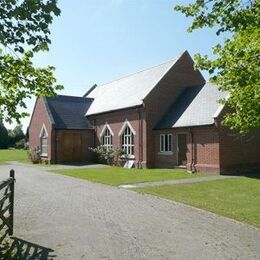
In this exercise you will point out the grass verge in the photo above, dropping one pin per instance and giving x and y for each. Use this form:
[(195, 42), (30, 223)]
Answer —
[(117, 176), (13, 155), (237, 198)]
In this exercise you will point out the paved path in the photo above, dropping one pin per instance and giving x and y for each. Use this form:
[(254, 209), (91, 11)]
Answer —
[(172, 182), (50, 167), (81, 220)]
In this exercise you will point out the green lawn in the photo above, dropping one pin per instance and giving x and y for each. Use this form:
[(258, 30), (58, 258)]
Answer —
[(237, 198), (118, 176), (13, 155)]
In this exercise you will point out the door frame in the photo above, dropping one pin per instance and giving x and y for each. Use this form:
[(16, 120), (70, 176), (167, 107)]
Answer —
[(177, 148)]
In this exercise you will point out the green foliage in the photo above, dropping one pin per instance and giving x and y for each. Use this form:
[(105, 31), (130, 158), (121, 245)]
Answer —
[(108, 156), (24, 30), (3, 136), (236, 67), (20, 144), (34, 155), (15, 135)]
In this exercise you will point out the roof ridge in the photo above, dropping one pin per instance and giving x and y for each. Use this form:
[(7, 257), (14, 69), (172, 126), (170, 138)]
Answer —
[(68, 96), (137, 72)]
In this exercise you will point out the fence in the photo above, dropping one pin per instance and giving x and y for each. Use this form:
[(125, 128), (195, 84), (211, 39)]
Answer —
[(7, 203)]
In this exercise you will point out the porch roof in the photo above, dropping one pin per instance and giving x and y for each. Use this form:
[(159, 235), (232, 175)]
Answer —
[(68, 112), (196, 106)]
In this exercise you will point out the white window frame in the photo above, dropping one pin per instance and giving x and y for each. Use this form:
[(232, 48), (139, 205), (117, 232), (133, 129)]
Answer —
[(44, 130), (126, 123), (127, 134), (166, 143), (107, 138), (104, 129)]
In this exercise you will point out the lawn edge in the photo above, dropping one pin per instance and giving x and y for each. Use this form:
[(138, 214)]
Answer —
[(193, 207)]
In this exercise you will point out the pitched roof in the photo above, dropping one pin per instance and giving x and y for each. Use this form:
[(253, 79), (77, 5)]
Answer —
[(68, 112), (196, 106), (128, 91)]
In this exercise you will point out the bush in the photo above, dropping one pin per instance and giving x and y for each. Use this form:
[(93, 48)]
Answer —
[(34, 155), (109, 156), (20, 144), (15, 135)]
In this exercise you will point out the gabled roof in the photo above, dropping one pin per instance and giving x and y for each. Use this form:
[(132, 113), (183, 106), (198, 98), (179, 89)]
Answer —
[(128, 91), (196, 106), (68, 112)]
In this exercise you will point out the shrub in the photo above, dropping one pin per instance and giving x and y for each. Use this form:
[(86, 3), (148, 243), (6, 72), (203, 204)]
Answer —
[(34, 155), (15, 135), (20, 144), (109, 156)]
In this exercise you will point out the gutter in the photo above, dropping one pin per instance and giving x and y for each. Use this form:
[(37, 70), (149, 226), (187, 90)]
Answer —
[(192, 165), (113, 110), (140, 138)]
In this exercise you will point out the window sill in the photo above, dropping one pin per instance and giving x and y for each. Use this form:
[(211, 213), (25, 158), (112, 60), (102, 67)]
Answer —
[(165, 153), (131, 157), (44, 155)]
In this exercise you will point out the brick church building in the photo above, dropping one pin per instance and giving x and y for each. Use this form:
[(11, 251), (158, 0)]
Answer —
[(166, 116)]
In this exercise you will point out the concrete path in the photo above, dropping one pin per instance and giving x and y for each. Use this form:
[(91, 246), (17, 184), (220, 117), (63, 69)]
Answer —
[(172, 182), (68, 218)]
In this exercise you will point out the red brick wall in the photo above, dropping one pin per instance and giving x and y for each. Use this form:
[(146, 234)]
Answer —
[(156, 104), (205, 149), (87, 141), (40, 117), (116, 120), (239, 153), (165, 93), (165, 160)]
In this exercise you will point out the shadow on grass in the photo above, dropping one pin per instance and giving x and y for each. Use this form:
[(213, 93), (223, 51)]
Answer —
[(255, 175), (252, 175), (85, 163), (18, 249)]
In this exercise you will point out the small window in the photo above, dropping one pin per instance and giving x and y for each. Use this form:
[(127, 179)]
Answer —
[(44, 142), (107, 139), (127, 141), (166, 143)]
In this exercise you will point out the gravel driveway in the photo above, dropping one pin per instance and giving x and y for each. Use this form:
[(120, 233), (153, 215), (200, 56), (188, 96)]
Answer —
[(81, 220)]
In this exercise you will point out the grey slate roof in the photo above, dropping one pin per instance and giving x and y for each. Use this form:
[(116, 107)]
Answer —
[(68, 112), (128, 91), (196, 106)]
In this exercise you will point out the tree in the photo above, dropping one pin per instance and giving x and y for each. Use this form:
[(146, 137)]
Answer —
[(3, 136), (15, 135), (236, 66), (18, 132), (24, 31)]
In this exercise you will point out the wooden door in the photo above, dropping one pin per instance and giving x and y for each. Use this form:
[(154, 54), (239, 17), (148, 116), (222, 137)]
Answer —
[(77, 151), (182, 149), (71, 147)]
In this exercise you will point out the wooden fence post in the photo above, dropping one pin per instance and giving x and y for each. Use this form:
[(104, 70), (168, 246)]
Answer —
[(12, 175)]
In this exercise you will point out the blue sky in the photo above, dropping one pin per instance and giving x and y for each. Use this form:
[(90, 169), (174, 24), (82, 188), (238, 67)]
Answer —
[(96, 41)]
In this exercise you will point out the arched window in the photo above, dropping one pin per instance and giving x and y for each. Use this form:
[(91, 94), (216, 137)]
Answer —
[(127, 140), (44, 141), (106, 139)]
